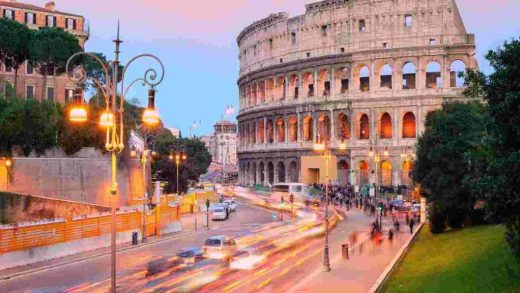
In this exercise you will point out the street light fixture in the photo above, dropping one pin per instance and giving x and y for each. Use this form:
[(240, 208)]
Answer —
[(8, 164), (324, 147), (114, 142), (179, 153)]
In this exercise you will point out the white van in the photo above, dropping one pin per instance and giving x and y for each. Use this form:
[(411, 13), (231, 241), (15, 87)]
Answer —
[(300, 191)]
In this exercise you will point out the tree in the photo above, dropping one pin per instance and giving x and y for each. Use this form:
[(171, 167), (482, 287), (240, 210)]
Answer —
[(15, 45), (500, 162), (198, 160), (51, 49), (442, 158)]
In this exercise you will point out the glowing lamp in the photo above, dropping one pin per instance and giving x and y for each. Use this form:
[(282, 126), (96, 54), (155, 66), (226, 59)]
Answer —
[(342, 145), (8, 163), (154, 153), (133, 153), (371, 152), (184, 157), (386, 151), (319, 147), (150, 115), (106, 119), (171, 157), (177, 157), (78, 113)]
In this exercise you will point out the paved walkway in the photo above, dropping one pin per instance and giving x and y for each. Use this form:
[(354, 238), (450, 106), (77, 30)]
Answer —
[(367, 261)]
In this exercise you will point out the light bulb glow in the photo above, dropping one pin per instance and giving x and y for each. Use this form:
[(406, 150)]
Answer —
[(151, 117), (106, 119), (78, 114)]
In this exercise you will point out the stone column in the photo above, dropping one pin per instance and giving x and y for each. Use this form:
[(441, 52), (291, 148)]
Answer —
[(275, 89), (299, 85), (286, 123), (332, 81), (298, 128), (332, 126), (265, 130), (314, 127), (275, 171)]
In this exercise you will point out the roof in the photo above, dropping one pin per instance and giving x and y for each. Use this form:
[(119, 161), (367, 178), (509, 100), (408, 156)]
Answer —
[(34, 7)]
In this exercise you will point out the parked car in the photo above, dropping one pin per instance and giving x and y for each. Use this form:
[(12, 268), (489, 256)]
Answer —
[(218, 213), (219, 247), (232, 204), (190, 255), (225, 206)]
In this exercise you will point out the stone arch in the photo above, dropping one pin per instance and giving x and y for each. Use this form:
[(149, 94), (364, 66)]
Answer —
[(307, 128), (293, 86), (280, 130), (343, 171), (456, 68), (260, 129), (254, 92), (364, 79), (308, 83), (248, 173), (254, 174), (270, 131), (270, 172), (364, 127), (270, 90), (324, 82), (261, 91), (342, 77), (280, 168), (406, 174), (386, 128), (293, 129), (261, 169), (386, 173), (343, 127), (409, 76), (386, 77), (280, 88), (433, 75), (324, 128), (364, 172), (293, 171), (409, 125), (252, 131)]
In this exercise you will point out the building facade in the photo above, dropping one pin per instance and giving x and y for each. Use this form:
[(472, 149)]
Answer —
[(359, 73), (222, 145), (58, 87)]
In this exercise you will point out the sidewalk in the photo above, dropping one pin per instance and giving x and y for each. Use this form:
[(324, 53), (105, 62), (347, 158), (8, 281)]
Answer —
[(366, 264), (188, 228)]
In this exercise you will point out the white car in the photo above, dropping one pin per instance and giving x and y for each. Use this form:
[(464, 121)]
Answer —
[(219, 247), (218, 213), (232, 204)]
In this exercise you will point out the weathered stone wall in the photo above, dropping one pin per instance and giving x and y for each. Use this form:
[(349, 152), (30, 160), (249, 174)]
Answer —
[(16, 208), (84, 177)]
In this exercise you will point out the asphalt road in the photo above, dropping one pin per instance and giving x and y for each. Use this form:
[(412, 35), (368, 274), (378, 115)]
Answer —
[(131, 263)]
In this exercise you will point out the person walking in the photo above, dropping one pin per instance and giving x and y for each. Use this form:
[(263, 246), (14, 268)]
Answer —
[(412, 223)]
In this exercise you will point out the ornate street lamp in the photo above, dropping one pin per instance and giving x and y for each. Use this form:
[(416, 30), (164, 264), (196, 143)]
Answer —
[(112, 118), (324, 146), (179, 154)]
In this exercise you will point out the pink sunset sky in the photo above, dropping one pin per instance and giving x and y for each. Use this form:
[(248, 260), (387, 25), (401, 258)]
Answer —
[(197, 41)]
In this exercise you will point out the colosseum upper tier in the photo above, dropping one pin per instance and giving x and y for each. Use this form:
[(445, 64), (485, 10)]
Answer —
[(357, 73)]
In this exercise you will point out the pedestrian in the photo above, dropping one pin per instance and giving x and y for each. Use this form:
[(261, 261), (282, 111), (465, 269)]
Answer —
[(390, 235), (407, 219), (396, 225), (412, 223)]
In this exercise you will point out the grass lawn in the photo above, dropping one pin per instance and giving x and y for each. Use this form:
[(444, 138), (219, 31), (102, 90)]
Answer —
[(475, 259)]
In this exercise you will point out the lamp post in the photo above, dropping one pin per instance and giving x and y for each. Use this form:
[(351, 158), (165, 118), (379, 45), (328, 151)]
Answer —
[(112, 118), (178, 154), (325, 148)]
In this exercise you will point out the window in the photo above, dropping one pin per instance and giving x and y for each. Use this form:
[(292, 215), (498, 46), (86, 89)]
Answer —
[(362, 25), (293, 38), (323, 30), (50, 21), (69, 95), (344, 85), (29, 69), (8, 68), (433, 42), (29, 91), (71, 23), (308, 55), (50, 93), (30, 18), (385, 45), (408, 20), (270, 44), (8, 90), (8, 13), (342, 50), (281, 60)]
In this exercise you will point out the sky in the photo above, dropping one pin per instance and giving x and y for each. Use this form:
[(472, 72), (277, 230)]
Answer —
[(196, 40)]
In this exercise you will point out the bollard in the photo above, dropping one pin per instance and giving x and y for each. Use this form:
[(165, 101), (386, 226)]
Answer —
[(344, 251)]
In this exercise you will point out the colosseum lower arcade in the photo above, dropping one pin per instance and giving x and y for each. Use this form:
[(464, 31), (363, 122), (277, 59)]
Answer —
[(355, 72)]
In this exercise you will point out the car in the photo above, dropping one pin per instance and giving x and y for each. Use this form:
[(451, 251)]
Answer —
[(160, 264), (190, 255), (218, 213), (232, 204), (219, 247), (225, 206)]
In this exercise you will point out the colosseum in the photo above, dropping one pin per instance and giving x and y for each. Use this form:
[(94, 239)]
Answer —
[(360, 75)]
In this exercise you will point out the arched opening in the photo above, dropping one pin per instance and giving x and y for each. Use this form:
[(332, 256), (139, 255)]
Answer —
[(386, 126), (262, 172), (364, 127), (262, 92), (363, 173), (364, 79), (386, 173), (457, 70), (270, 90), (409, 73), (270, 131), (281, 171), (293, 86), (280, 130), (386, 77), (343, 127), (307, 129), (308, 83), (406, 176), (280, 88), (343, 170), (248, 174), (433, 75), (254, 94), (324, 128), (270, 172), (324, 82), (260, 131), (409, 126), (254, 174), (293, 129), (342, 79), (293, 171), (252, 131)]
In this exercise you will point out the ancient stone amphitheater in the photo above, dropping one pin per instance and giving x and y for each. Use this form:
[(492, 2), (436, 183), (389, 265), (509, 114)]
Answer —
[(360, 73)]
